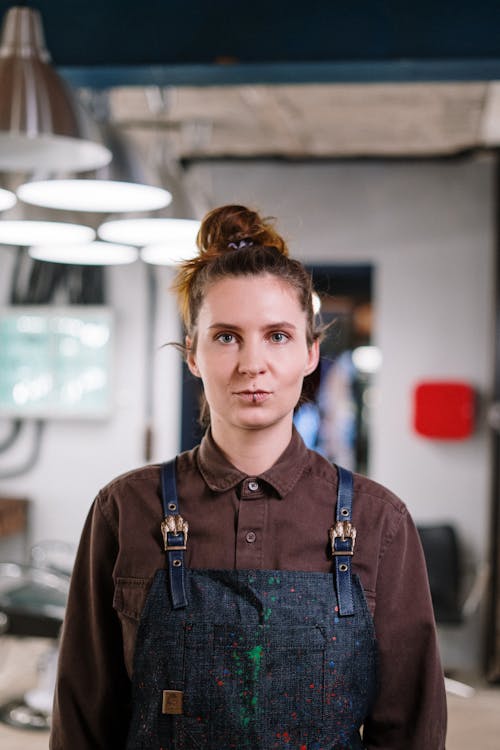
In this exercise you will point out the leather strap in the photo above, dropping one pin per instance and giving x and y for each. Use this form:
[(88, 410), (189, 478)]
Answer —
[(175, 543), (343, 562)]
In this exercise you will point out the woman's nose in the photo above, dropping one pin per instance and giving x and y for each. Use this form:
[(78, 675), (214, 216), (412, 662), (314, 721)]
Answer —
[(251, 360)]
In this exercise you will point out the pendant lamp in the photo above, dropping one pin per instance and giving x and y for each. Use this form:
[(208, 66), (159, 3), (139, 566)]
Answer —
[(125, 185), (91, 254), (7, 199), (42, 125), (26, 233)]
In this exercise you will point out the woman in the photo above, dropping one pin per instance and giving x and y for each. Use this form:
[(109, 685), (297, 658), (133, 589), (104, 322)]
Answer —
[(275, 602)]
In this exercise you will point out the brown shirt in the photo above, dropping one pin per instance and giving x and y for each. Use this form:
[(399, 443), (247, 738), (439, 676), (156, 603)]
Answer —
[(278, 520)]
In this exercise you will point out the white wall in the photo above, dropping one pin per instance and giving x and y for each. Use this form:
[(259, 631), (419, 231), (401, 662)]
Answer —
[(428, 229)]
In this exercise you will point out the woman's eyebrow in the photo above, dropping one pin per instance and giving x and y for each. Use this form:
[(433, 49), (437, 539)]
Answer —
[(267, 326), (232, 326)]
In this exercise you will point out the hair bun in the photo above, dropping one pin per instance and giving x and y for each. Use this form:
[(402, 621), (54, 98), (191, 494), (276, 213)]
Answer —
[(232, 227)]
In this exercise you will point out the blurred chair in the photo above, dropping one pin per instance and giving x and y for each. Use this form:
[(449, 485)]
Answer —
[(444, 568), (444, 559), (32, 604)]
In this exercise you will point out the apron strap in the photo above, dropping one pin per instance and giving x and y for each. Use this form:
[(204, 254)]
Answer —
[(174, 531), (343, 536)]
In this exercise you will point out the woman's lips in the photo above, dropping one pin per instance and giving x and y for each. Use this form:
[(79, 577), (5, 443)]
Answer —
[(253, 397)]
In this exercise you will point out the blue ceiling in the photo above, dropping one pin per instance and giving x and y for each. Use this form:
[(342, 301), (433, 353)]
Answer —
[(195, 42)]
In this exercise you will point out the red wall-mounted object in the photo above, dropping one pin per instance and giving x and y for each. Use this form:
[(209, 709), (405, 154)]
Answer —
[(444, 409)]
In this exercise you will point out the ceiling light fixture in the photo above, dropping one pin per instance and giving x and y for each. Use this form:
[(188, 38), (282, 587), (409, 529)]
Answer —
[(170, 233), (126, 185), (91, 254), (7, 199), (42, 125), (168, 255), (43, 232), (100, 196)]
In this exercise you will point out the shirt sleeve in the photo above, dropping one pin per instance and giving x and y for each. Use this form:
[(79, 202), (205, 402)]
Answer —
[(410, 710), (93, 689)]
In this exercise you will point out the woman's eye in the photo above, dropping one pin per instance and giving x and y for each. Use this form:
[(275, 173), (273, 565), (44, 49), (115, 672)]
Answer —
[(225, 338), (279, 337)]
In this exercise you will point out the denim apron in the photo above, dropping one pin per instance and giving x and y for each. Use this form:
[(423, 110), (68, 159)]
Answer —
[(253, 659)]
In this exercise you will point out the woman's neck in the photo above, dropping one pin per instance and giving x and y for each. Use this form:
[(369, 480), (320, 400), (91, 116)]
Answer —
[(253, 451)]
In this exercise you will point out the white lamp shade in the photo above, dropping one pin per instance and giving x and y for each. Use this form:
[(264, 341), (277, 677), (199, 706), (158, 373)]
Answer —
[(168, 254), (142, 232), (7, 199), (91, 254), (43, 232), (49, 153), (94, 195)]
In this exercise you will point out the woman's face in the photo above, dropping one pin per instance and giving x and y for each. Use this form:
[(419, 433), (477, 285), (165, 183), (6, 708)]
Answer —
[(251, 352)]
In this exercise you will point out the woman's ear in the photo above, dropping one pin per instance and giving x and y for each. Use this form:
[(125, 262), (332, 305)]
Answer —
[(190, 357), (312, 358)]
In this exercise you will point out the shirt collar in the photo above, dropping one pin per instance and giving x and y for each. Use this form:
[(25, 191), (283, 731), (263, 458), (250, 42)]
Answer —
[(220, 475)]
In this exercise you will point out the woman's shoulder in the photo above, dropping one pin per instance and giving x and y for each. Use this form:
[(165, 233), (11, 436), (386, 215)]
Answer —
[(367, 491), (145, 474), (140, 484), (131, 479)]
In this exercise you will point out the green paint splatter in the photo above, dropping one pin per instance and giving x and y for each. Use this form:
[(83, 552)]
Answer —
[(250, 683), (267, 613), (255, 655)]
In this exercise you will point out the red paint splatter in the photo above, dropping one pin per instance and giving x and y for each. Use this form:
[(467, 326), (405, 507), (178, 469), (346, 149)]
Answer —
[(220, 683), (311, 685), (303, 747)]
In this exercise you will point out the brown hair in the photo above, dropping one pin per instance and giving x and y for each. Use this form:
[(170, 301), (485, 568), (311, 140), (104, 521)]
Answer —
[(236, 241)]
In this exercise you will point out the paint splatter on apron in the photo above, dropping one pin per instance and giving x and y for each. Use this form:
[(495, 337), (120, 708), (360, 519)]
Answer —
[(253, 659)]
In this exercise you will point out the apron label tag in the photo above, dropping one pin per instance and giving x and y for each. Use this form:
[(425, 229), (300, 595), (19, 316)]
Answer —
[(172, 702)]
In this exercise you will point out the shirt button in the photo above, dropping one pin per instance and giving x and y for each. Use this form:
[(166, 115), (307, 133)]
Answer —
[(253, 486), (251, 537)]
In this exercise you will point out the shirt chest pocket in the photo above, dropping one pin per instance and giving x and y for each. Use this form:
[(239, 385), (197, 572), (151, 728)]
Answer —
[(128, 602), (130, 597)]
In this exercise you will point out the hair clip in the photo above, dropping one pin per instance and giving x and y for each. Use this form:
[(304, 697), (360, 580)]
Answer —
[(241, 244)]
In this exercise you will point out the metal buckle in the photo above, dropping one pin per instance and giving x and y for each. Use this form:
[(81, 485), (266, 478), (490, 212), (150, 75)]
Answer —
[(174, 525), (345, 531)]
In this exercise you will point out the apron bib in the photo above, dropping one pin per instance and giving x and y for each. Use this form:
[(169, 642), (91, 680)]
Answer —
[(252, 659)]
